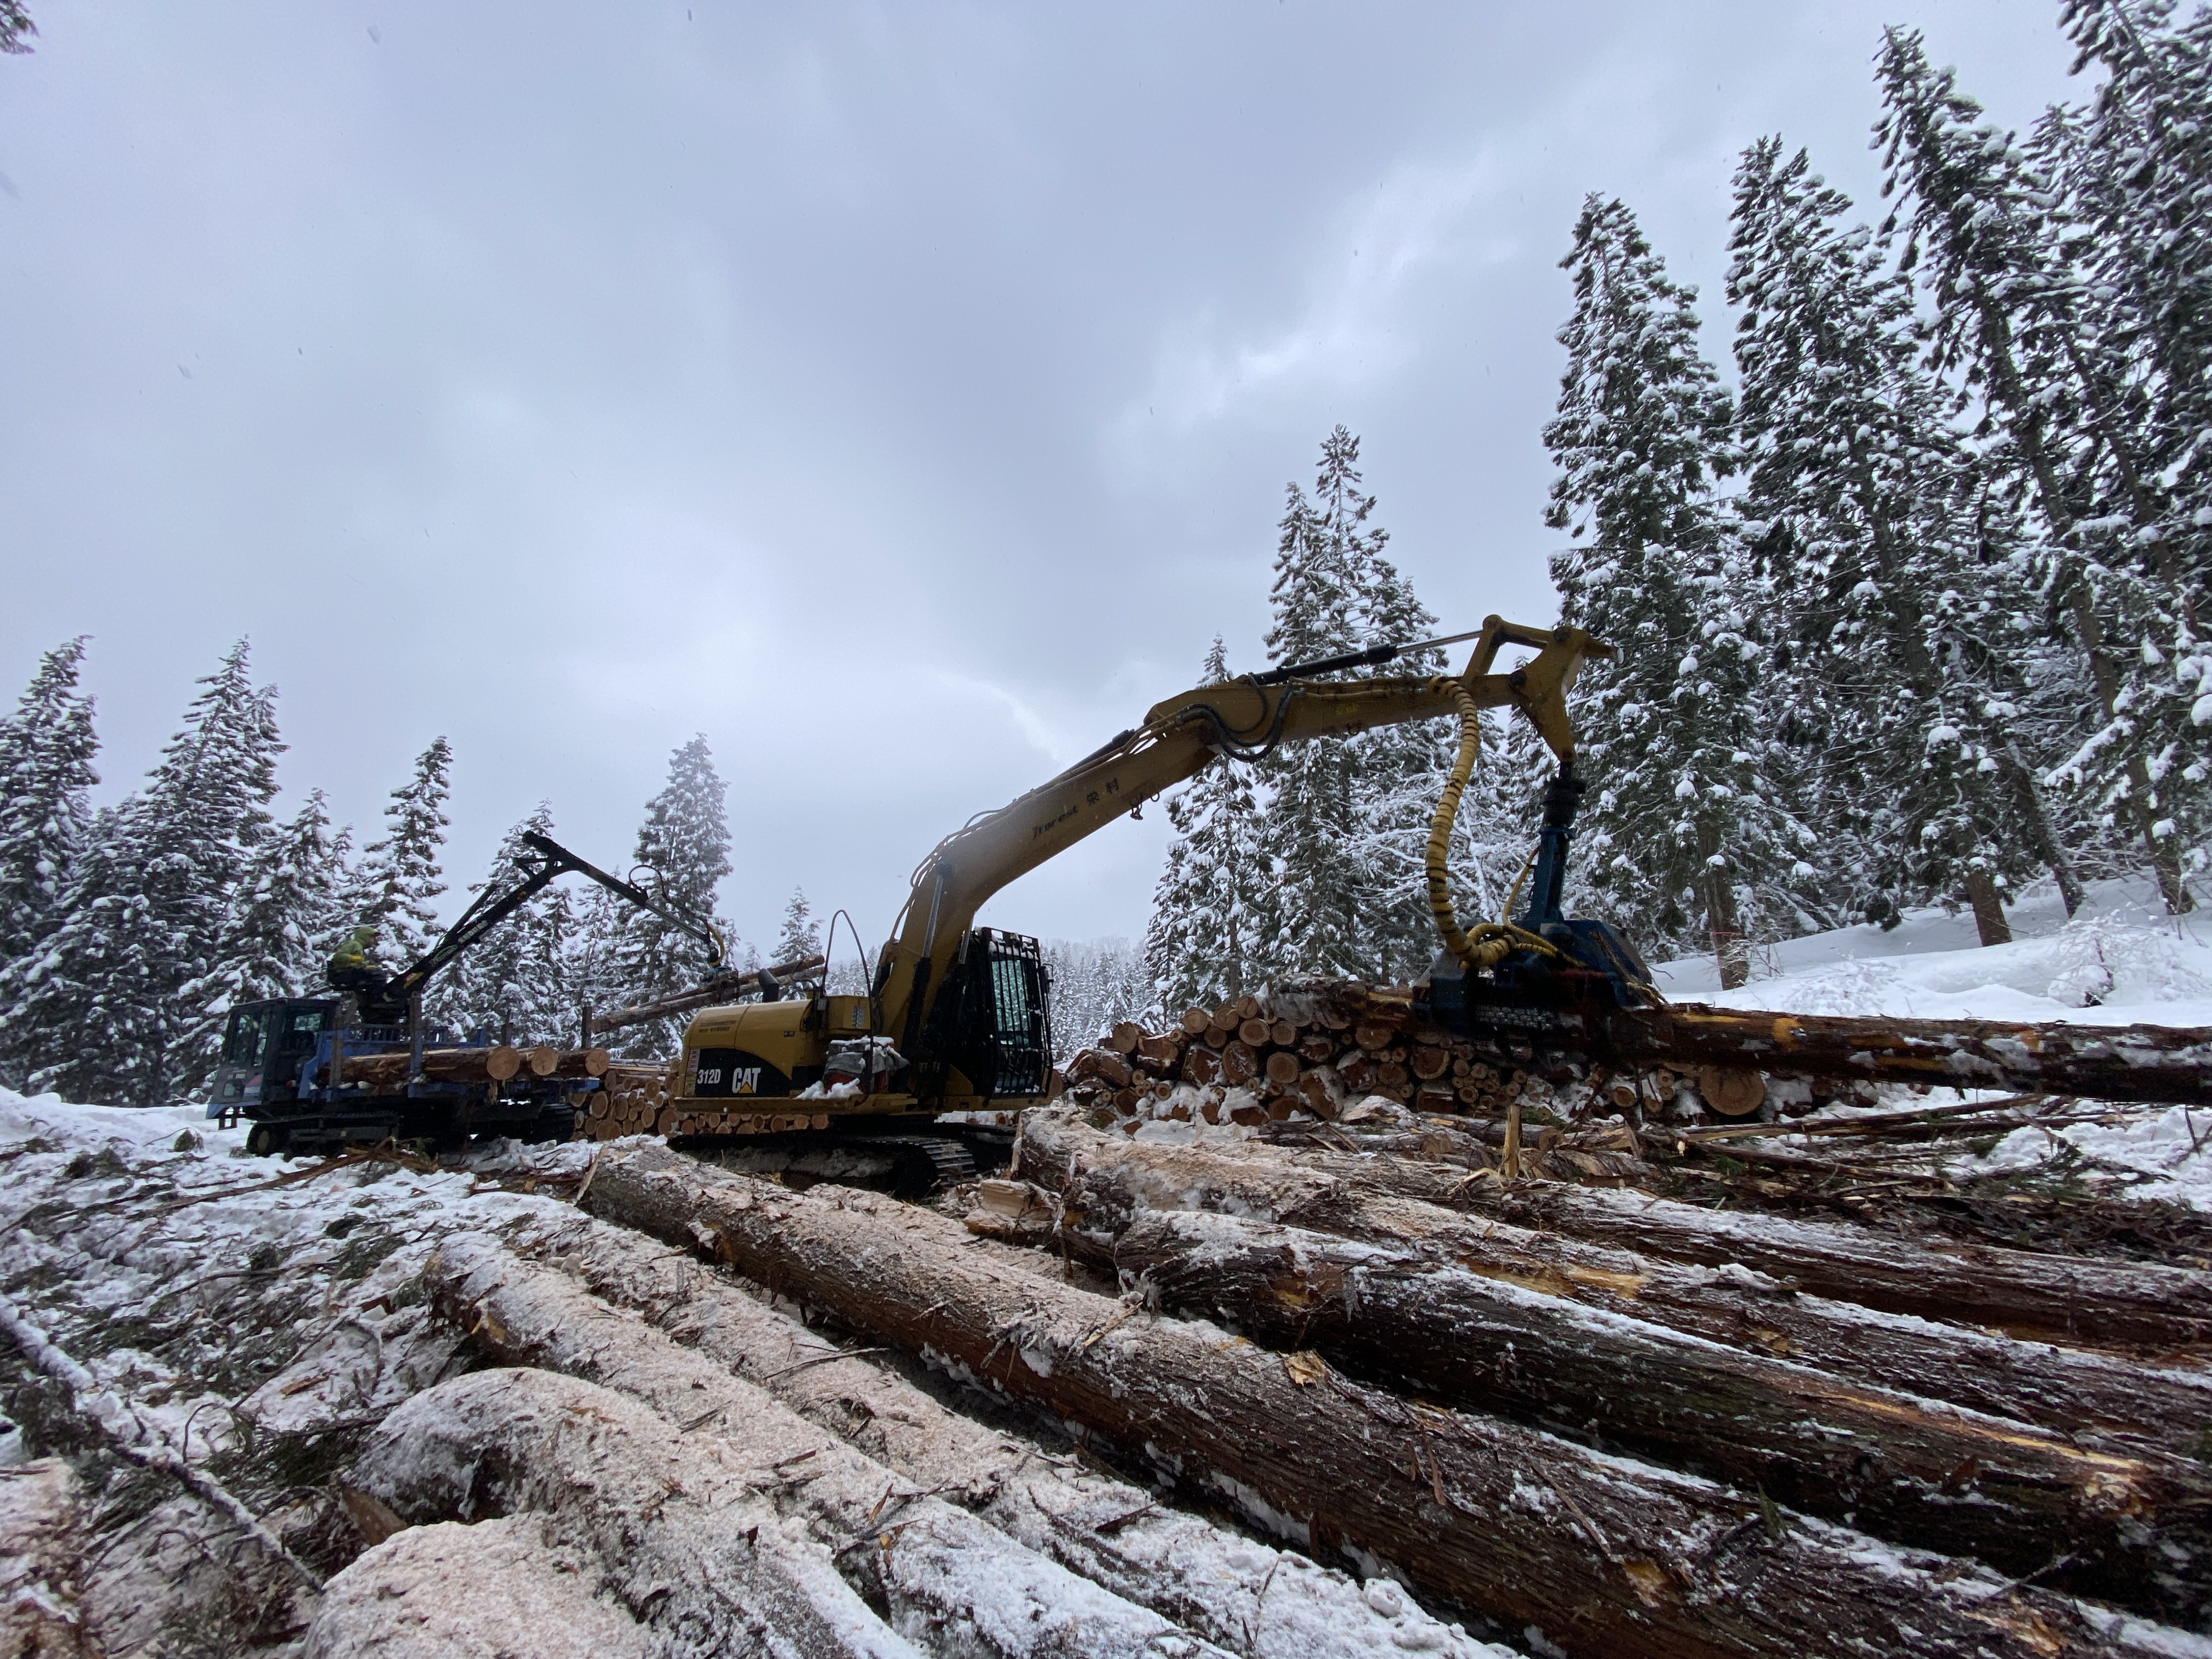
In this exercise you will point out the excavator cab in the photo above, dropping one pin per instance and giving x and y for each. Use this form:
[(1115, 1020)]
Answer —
[(989, 1022), (263, 1046)]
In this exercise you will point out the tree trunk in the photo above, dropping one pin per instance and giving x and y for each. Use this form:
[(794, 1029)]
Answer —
[(1263, 1602), (1903, 1468), (1991, 927), (685, 1543), (938, 1567), (474, 1066), (1105, 1184), (2028, 797), (1606, 1556)]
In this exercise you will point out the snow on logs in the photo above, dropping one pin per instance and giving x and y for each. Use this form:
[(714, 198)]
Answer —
[(1103, 1186), (1892, 1463), (1213, 1582), (1605, 1554), (1311, 1044), (936, 1567)]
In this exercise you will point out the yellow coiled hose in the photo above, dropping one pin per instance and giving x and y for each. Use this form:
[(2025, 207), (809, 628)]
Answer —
[(1490, 942)]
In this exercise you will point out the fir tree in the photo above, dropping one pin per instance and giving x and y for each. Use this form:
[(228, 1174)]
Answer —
[(801, 936), (1681, 810), (1208, 909), (1983, 229), (107, 1006), (514, 986), (684, 844), (1314, 831), (1859, 501), (1091, 988), (47, 750), (400, 876), (278, 932)]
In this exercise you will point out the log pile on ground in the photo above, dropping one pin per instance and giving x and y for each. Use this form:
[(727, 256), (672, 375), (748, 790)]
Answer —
[(1308, 1048), (1675, 1493)]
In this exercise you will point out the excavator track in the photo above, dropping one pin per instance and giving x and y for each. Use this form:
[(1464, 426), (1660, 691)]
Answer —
[(912, 1165)]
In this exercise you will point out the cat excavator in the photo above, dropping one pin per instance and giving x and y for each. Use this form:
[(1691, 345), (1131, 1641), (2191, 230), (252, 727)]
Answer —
[(954, 1020)]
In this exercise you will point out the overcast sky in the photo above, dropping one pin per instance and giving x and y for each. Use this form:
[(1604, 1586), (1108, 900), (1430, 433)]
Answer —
[(902, 396)]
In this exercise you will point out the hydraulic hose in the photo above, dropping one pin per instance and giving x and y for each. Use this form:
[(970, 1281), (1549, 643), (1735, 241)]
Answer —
[(1490, 942)]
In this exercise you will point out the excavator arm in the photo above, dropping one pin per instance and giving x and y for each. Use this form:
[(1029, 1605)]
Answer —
[(1242, 718)]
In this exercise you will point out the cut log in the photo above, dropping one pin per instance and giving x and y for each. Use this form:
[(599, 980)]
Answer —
[(2134, 1525), (497, 1587), (1109, 1185), (1218, 1584), (1239, 1065), (1604, 1554), (1195, 1020), (470, 1066), (1256, 1033), (2066, 1299), (2122, 1063), (1282, 1068), (502, 1063), (938, 1566), (687, 1545), (1125, 1037)]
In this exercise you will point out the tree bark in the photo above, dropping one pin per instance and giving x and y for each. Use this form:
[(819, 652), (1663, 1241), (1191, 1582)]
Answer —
[(2151, 1063), (1603, 1554), (471, 1065), (940, 1568), (1218, 1584), (1903, 1468), (1991, 927), (1105, 1184)]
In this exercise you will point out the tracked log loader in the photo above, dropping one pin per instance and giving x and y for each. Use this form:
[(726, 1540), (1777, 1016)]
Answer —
[(955, 1017)]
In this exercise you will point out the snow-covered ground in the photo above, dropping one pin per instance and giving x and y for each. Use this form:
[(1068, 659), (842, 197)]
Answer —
[(2122, 961)]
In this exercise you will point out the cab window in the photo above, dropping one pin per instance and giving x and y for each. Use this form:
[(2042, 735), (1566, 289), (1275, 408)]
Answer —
[(249, 1030), (301, 1027)]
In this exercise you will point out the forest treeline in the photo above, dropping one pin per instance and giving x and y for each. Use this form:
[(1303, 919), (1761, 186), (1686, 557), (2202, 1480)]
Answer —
[(1905, 611), (1907, 616)]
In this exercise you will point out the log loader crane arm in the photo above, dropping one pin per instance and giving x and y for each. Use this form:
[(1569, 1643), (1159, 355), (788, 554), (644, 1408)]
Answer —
[(962, 1006)]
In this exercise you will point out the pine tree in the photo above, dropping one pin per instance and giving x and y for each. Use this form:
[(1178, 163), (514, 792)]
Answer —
[(1313, 832), (514, 986), (1681, 809), (47, 750), (801, 936), (684, 843), (277, 934), (1984, 231), (107, 1004), (1208, 909), (1860, 503), (400, 876)]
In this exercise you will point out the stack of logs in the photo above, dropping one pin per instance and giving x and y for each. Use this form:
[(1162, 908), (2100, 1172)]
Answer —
[(639, 1098), (498, 1064), (1247, 1062)]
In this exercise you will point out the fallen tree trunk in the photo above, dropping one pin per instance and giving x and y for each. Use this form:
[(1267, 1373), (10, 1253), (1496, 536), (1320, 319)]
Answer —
[(1604, 1555), (1903, 1468), (938, 1568), (1266, 1603), (723, 988), (2046, 1298), (684, 1540), (1106, 1184)]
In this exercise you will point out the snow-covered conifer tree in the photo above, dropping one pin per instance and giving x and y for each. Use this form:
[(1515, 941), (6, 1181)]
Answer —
[(1681, 813), (278, 932), (514, 986), (400, 876), (1092, 986), (47, 750), (1208, 908), (801, 935), (1314, 831), (1892, 627), (1985, 232), (106, 1008), (684, 843)]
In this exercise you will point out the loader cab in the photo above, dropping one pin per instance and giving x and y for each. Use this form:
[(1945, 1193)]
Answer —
[(263, 1046), (989, 1023)]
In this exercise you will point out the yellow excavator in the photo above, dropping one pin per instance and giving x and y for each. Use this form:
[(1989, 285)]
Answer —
[(955, 1019)]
